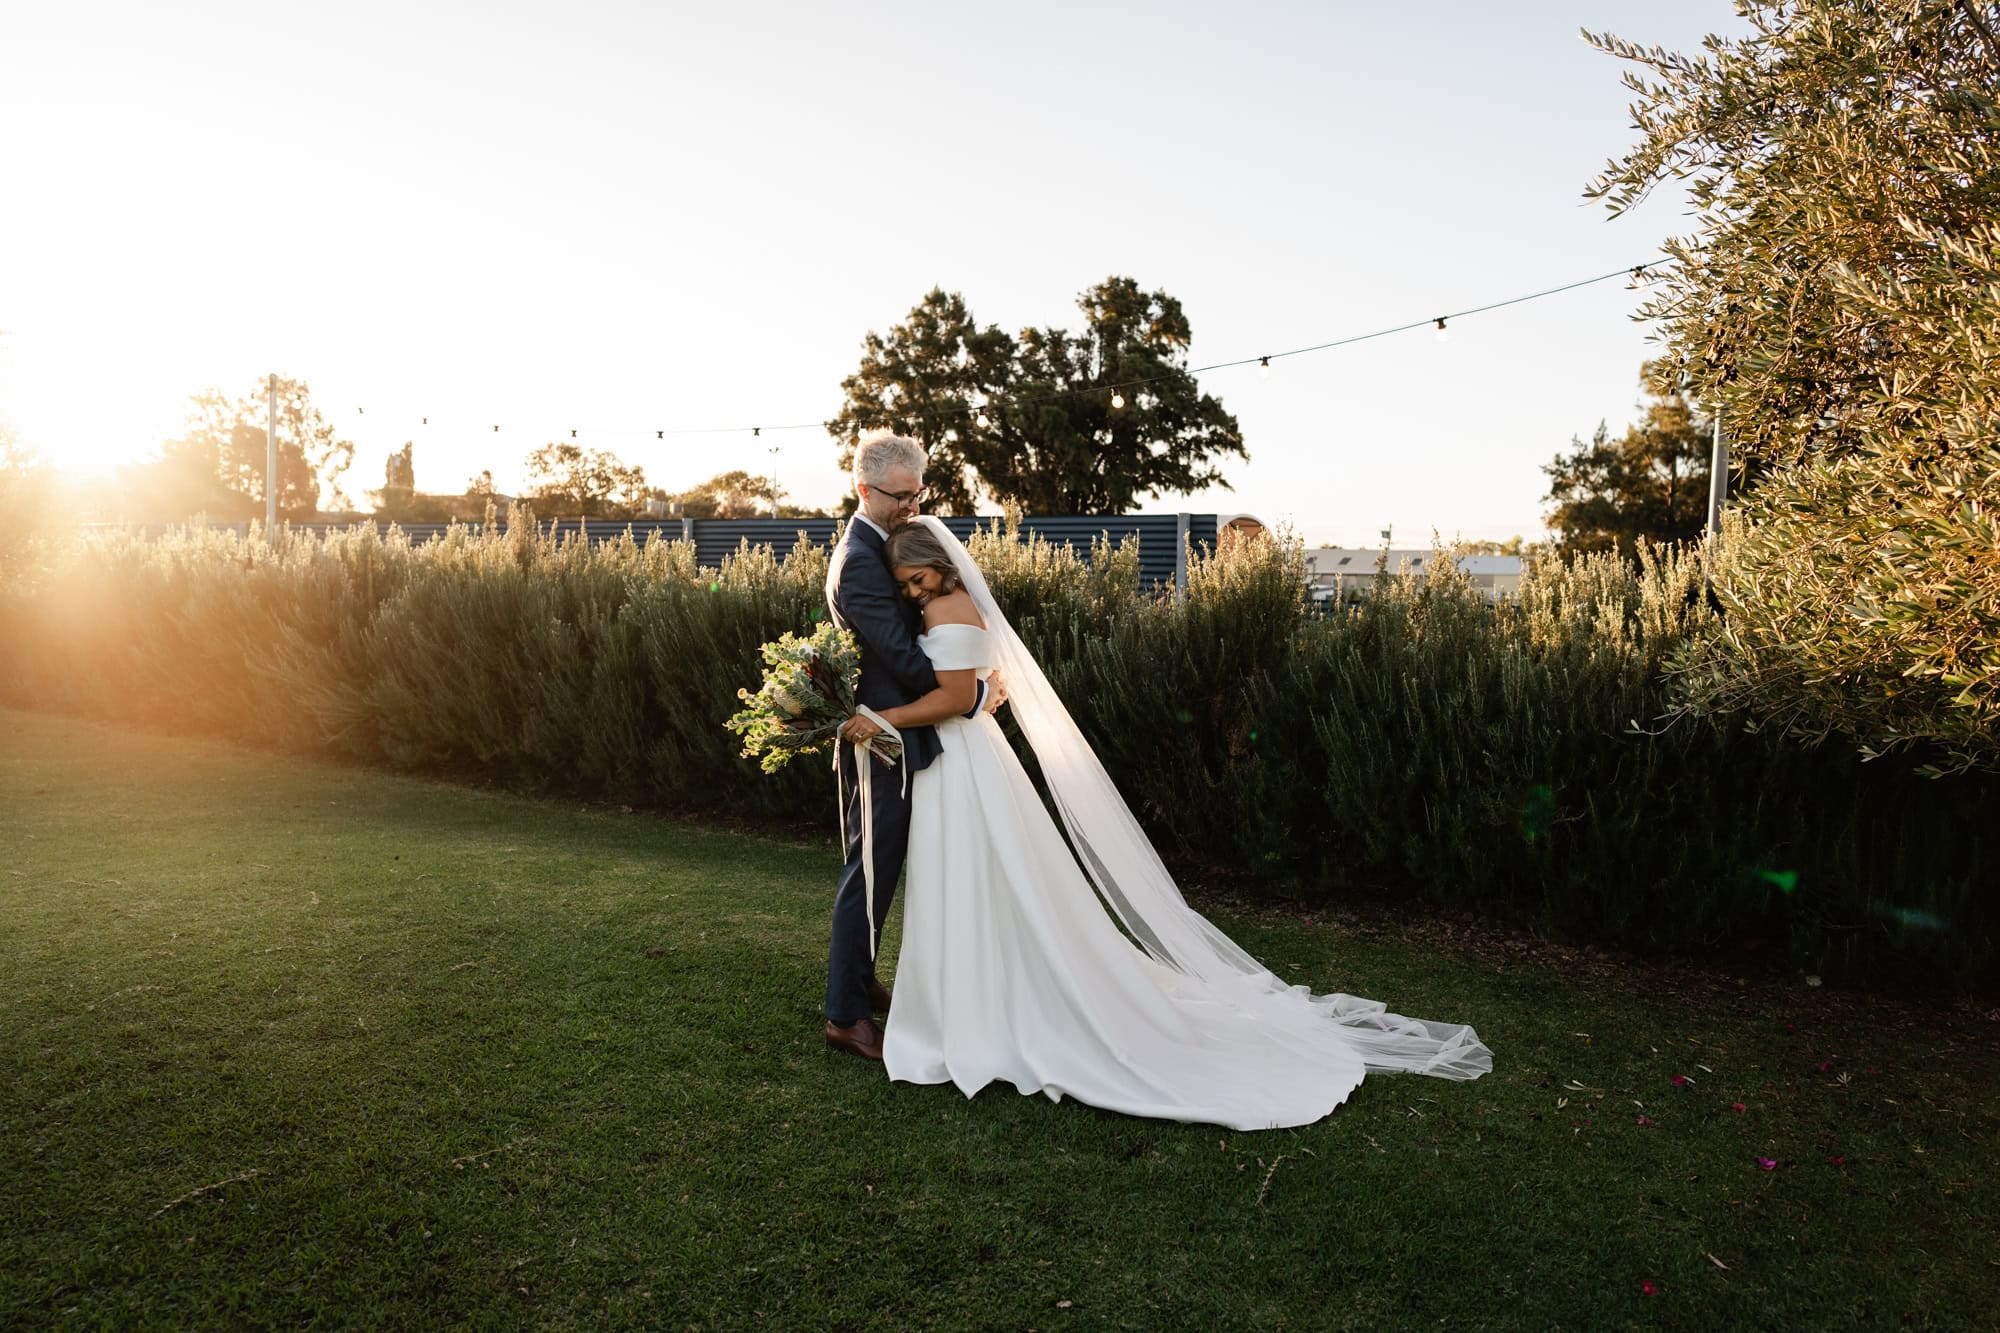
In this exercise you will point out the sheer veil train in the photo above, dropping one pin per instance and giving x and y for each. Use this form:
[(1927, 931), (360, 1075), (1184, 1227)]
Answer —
[(1121, 863)]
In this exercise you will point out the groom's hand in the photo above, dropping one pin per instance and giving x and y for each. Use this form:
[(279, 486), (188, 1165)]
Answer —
[(996, 692), (858, 730)]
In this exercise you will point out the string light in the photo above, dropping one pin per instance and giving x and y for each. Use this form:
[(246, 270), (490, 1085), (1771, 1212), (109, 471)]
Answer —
[(1636, 275)]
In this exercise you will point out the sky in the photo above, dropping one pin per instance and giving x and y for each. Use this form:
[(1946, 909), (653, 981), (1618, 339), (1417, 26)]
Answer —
[(624, 218)]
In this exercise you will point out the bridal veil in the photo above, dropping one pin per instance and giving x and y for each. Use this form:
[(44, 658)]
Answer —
[(1134, 884)]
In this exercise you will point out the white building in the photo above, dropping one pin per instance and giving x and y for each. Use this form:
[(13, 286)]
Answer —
[(1344, 573)]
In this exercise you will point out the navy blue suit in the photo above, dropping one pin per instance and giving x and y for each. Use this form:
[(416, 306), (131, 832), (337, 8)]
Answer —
[(861, 596)]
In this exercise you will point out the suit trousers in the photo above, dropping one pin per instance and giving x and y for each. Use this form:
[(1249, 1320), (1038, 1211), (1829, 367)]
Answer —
[(849, 964)]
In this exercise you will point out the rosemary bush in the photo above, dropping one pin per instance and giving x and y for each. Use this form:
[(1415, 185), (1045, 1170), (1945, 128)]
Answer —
[(1524, 761)]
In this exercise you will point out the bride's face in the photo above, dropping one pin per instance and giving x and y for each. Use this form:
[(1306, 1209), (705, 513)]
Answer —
[(919, 583)]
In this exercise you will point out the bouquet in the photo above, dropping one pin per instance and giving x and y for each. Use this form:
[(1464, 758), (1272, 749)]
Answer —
[(808, 692)]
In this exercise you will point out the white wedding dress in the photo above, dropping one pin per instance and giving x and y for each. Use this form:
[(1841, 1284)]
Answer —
[(1014, 968)]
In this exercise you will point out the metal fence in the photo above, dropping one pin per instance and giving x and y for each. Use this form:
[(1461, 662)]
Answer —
[(1163, 538)]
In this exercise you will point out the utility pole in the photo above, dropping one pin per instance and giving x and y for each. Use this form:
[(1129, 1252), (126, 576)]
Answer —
[(271, 459), (1718, 477), (773, 451)]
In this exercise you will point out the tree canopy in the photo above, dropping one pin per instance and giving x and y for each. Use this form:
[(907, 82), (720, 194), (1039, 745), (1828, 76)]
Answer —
[(1839, 303), (735, 494), (566, 480), (1053, 421), (399, 500), (26, 490), (217, 465), (1650, 484)]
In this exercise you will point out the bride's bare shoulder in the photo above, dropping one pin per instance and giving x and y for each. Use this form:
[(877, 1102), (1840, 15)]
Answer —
[(952, 608)]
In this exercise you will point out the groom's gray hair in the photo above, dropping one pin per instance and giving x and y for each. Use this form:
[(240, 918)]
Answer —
[(879, 455)]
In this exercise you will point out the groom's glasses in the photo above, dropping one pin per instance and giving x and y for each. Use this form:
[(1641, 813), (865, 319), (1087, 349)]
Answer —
[(903, 497)]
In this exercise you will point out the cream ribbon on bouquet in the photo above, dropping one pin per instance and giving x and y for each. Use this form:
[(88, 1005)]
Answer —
[(868, 805)]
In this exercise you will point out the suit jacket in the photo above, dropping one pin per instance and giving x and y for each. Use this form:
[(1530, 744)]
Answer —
[(861, 596)]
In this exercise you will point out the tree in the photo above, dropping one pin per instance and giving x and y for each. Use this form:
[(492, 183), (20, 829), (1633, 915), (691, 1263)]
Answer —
[(733, 495), (26, 490), (931, 378), (1055, 422), (1516, 545), (399, 482), (225, 443), (1840, 302), (1651, 484), (399, 500), (567, 479)]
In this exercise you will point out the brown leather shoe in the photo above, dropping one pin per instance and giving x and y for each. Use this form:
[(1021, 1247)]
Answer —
[(878, 996), (861, 1037)]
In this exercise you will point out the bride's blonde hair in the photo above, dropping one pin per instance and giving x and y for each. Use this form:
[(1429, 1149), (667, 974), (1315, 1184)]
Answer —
[(914, 544)]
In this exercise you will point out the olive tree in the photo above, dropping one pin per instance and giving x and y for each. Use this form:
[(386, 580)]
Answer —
[(1839, 304)]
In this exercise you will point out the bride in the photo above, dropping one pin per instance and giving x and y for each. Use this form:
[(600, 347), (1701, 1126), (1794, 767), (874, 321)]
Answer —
[(1084, 973)]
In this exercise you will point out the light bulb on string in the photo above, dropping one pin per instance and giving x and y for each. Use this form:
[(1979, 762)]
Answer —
[(1637, 276)]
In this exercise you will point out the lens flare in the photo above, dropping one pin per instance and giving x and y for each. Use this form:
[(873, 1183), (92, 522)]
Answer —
[(1784, 880), (1538, 812), (1917, 920)]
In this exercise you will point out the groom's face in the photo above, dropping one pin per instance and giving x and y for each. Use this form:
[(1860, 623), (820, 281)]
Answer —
[(896, 500)]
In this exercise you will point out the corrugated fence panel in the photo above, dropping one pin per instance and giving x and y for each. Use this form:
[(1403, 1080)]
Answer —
[(714, 538)]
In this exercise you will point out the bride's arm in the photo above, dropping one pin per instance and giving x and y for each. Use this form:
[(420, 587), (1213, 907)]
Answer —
[(957, 694)]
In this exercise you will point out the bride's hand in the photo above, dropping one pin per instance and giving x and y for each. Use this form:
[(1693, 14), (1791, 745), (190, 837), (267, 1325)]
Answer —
[(996, 692), (858, 730)]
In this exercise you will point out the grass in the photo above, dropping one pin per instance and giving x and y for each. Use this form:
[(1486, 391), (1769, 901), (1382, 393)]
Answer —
[(293, 1043)]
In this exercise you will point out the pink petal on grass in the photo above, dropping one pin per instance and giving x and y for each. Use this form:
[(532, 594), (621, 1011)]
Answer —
[(1649, 1289), (1767, 1163), (1740, 1108), (1680, 1080)]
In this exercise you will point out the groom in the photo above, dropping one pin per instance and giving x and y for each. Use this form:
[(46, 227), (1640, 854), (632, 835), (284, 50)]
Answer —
[(862, 597)]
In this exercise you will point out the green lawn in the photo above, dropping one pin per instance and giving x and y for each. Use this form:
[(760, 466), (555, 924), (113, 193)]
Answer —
[(287, 1042)]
